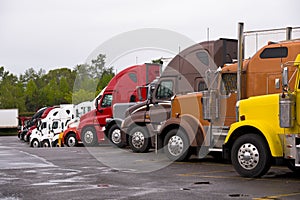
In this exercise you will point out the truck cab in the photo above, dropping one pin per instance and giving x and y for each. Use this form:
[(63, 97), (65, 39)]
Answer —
[(70, 136), (267, 130), (56, 120), (121, 89), (184, 74), (199, 122)]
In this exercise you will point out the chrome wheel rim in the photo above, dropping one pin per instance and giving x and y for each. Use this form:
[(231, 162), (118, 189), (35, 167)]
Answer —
[(116, 136), (71, 141), (35, 144), (138, 139), (248, 156), (45, 144), (175, 145), (88, 137)]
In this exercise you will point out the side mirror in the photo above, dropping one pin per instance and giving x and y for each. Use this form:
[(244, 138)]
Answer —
[(285, 78), (97, 103)]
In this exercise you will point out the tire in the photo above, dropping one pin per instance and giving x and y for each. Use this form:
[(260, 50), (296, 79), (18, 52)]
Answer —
[(115, 136), (55, 144), (22, 135), (139, 139), (71, 140), (177, 145), (89, 137), (45, 143), (35, 143), (291, 165), (26, 138), (251, 156)]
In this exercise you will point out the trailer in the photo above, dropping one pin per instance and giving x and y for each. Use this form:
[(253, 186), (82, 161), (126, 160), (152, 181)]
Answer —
[(9, 118)]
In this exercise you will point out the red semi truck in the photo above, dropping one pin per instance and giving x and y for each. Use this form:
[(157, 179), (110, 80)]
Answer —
[(123, 88)]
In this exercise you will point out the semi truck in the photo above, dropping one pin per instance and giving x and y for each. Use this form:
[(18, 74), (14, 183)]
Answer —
[(48, 128), (185, 73), (121, 89), (199, 122), (32, 124), (70, 137), (267, 131)]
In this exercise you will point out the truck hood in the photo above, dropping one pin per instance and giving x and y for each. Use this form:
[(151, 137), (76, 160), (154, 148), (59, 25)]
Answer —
[(136, 107), (142, 106), (261, 108), (90, 114)]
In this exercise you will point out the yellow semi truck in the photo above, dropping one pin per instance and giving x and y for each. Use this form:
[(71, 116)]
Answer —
[(268, 129)]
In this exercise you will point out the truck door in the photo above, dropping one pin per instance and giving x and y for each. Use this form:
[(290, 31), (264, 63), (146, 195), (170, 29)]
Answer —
[(104, 109), (160, 110)]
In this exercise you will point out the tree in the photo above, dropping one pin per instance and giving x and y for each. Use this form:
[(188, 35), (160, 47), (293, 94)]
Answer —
[(31, 96), (11, 92), (98, 66), (36, 89)]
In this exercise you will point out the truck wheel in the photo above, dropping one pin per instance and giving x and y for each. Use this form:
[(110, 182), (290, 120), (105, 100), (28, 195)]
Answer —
[(89, 137), (177, 145), (35, 143), (115, 136), (55, 144), (139, 139), (45, 143), (291, 165), (26, 138), (71, 140), (250, 156)]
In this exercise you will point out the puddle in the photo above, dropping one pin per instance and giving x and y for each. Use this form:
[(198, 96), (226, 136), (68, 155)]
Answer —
[(238, 195), (202, 183)]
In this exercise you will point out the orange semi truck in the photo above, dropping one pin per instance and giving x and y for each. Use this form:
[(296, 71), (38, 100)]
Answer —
[(199, 122), (210, 113)]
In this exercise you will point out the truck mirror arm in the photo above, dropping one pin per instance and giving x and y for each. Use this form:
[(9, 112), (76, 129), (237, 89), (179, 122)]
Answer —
[(97, 103)]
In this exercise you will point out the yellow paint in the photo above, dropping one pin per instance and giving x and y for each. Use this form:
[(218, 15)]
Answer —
[(262, 113)]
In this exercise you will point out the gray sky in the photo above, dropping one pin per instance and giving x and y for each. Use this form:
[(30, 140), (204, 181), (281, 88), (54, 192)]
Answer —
[(50, 34)]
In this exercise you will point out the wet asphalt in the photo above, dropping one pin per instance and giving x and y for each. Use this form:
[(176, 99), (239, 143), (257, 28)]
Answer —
[(105, 172)]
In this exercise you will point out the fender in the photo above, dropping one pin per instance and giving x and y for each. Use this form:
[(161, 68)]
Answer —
[(269, 132), (191, 125), (112, 121)]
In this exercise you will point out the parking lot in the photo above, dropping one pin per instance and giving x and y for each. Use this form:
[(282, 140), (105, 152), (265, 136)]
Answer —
[(106, 172)]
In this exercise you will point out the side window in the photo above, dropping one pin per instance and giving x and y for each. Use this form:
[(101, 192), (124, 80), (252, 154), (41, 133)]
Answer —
[(203, 57), (44, 125), (133, 77), (277, 52), (202, 86), (106, 102), (165, 90), (55, 125)]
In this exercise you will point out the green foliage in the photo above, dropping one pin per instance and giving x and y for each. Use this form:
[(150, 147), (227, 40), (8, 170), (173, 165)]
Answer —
[(80, 96), (35, 89), (158, 61)]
